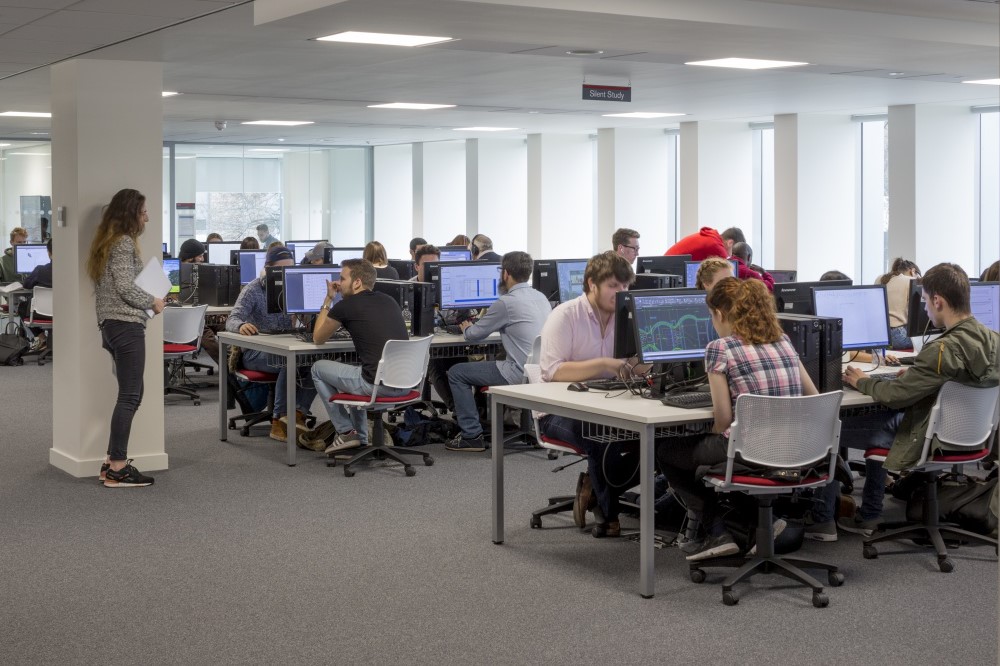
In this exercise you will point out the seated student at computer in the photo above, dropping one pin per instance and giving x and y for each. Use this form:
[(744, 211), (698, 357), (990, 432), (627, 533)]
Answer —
[(711, 271), (41, 276), (214, 238), (991, 274), (18, 236), (372, 318), (250, 243), (482, 249), (743, 254), (625, 242), (193, 252), (460, 239), (424, 255), (967, 352), (578, 341), (249, 317), (751, 355), (316, 255), (375, 254), (518, 315), (897, 292)]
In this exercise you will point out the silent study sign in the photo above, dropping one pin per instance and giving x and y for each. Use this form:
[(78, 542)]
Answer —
[(607, 93)]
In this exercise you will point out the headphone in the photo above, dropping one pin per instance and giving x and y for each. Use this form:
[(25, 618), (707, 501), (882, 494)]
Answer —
[(473, 247)]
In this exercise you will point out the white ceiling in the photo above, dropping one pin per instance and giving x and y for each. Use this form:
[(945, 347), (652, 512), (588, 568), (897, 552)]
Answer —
[(509, 65)]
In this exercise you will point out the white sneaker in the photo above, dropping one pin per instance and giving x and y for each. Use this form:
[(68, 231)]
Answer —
[(779, 527), (343, 441)]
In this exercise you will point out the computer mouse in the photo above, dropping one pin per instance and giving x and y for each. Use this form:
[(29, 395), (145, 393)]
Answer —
[(577, 386)]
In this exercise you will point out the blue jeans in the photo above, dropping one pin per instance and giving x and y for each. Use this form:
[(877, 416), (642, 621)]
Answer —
[(332, 377), (264, 362), (464, 379), (613, 468), (898, 339), (869, 431), (126, 342)]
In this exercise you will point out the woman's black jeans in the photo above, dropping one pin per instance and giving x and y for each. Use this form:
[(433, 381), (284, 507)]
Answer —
[(126, 342)]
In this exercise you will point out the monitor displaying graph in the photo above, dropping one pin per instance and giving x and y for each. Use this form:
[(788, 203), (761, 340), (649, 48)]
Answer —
[(468, 285), (668, 328)]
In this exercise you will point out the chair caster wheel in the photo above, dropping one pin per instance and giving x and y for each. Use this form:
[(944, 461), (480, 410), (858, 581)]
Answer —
[(232, 424), (698, 576), (536, 523), (197, 403), (731, 599), (428, 461), (945, 565), (553, 455), (410, 471), (835, 578), (869, 552), (820, 600), (245, 432), (348, 472)]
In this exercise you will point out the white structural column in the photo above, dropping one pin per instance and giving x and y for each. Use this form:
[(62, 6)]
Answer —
[(107, 134), (496, 186), (814, 193), (632, 187), (560, 196), (716, 176), (932, 184)]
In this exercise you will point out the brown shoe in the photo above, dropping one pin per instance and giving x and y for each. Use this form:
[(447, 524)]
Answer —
[(278, 431), (582, 501), (848, 507), (300, 423), (602, 530)]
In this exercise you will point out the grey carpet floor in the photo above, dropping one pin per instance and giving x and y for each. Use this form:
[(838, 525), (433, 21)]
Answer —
[(234, 558)]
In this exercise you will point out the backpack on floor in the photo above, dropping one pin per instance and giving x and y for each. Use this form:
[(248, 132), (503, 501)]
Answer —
[(13, 345), (962, 500), (417, 429)]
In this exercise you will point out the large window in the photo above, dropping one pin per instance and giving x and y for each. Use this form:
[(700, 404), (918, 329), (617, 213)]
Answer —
[(25, 188), (988, 236), (873, 209)]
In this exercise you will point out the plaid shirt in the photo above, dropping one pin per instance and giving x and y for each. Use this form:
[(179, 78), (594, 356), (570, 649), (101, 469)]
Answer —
[(768, 369)]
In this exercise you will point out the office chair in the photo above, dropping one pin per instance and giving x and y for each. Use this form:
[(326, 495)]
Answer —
[(964, 418), (250, 418), (181, 327), (526, 433), (403, 366), (41, 316), (783, 433)]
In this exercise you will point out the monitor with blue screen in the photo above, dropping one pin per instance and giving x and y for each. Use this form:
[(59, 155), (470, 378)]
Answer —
[(305, 288), (691, 272), (569, 273), (218, 253), (455, 253), (28, 257), (251, 263), (671, 327), (863, 309), (984, 300), (473, 284), (172, 269)]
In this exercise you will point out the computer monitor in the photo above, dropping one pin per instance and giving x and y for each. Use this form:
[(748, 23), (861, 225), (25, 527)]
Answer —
[(984, 300), (218, 253), (172, 269), (673, 264), (918, 324), (468, 284), (691, 273), (251, 263), (796, 297), (645, 281), (671, 326), (780, 275), (455, 253), (305, 288), (338, 255), (164, 248), (864, 310), (298, 248), (404, 267), (27, 257), (569, 276)]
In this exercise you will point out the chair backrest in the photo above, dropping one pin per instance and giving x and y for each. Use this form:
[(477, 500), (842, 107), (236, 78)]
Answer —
[(786, 432), (404, 363), (182, 325), (536, 352), (533, 375), (42, 301), (962, 416)]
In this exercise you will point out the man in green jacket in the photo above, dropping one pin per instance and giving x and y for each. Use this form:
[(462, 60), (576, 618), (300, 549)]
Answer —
[(966, 353)]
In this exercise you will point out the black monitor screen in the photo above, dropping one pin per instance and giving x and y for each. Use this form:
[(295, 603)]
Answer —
[(780, 275), (671, 327), (28, 257), (218, 253), (796, 297), (338, 255), (863, 309), (917, 321), (474, 284), (455, 253), (172, 269), (404, 267), (305, 288), (569, 273), (673, 264), (251, 263), (985, 302)]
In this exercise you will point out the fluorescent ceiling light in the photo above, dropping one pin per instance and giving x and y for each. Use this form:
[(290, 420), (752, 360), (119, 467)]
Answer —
[(386, 39), (32, 154), (4, 145), (184, 157), (267, 150), (640, 114), (985, 82), (26, 114), (411, 105), (745, 63), (484, 129), (168, 93), (280, 123)]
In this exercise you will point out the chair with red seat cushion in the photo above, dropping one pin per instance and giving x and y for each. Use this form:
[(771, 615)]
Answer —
[(403, 366), (252, 418), (963, 418), (769, 433), (182, 327)]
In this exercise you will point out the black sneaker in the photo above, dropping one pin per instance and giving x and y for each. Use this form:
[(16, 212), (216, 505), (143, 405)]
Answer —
[(460, 443), (719, 546), (127, 477)]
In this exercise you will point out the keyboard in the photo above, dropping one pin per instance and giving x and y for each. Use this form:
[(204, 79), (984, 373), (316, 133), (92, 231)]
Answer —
[(689, 400), (885, 374), (606, 385)]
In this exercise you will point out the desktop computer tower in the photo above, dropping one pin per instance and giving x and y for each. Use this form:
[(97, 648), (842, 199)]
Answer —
[(209, 284), (830, 350), (805, 335), (401, 292), (417, 298)]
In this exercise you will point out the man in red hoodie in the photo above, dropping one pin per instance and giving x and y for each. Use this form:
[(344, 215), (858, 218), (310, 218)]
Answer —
[(706, 243)]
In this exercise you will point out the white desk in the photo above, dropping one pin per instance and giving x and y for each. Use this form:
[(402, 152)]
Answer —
[(292, 349), (628, 412)]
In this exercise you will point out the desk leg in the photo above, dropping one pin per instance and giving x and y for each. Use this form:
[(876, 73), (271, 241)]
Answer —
[(496, 415), (223, 389), (291, 376), (647, 445)]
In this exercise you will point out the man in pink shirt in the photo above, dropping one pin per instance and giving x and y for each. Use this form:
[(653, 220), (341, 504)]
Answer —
[(578, 340)]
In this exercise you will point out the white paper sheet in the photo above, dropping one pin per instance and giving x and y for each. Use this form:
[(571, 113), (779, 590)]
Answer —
[(13, 286), (153, 281)]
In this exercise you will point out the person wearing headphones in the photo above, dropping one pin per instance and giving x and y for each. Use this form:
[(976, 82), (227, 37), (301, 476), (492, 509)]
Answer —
[(482, 249)]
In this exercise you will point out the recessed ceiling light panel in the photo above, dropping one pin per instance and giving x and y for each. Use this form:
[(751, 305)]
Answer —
[(411, 105), (278, 123), (26, 114), (640, 114), (584, 52), (485, 129), (168, 93), (985, 82), (745, 63), (382, 38)]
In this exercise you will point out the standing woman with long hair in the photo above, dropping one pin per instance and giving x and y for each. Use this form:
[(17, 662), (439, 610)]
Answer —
[(114, 264)]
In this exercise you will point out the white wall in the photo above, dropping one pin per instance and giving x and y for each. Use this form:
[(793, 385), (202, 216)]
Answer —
[(394, 199), (27, 175), (498, 191), (347, 172), (560, 196), (443, 171)]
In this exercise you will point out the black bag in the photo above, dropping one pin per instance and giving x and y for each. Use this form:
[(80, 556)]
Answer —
[(13, 344), (962, 500), (417, 430)]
